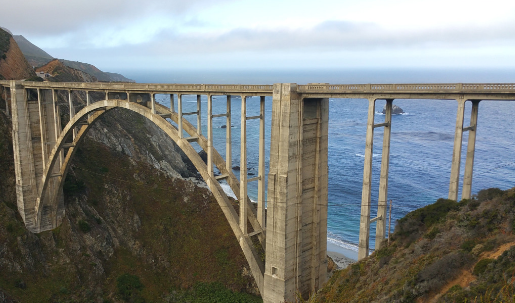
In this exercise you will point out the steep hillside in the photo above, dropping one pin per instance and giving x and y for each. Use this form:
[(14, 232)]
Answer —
[(13, 65), (62, 73), (125, 220), (34, 55), (92, 70), (444, 252)]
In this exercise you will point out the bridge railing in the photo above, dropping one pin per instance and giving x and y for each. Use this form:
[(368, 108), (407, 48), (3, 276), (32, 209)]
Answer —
[(136, 87), (408, 88)]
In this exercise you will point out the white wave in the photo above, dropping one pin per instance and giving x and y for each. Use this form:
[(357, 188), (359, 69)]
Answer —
[(227, 189), (373, 155), (343, 244)]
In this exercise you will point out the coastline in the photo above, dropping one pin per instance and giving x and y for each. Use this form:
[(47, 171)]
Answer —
[(341, 256)]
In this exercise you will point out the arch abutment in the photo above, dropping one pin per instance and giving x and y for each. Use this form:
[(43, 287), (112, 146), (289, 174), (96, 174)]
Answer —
[(471, 146), (364, 224), (243, 166), (456, 154), (383, 182), (50, 202)]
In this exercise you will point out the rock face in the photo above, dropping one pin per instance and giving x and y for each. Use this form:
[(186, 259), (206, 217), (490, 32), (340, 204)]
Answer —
[(62, 73), (395, 110), (13, 65)]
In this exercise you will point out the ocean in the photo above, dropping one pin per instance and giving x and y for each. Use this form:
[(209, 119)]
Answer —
[(421, 139)]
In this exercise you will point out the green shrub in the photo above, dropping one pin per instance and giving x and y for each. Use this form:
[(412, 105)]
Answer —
[(481, 266), (432, 234), (432, 213), (129, 287), (35, 79), (489, 194), (468, 245), (217, 293), (84, 226)]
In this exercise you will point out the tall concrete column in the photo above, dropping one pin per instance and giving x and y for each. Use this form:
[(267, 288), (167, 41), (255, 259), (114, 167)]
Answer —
[(383, 182), (243, 166), (26, 185), (179, 121), (471, 147), (199, 116), (172, 104), (364, 224), (261, 169), (296, 223), (209, 135), (72, 111), (456, 153), (228, 140), (153, 103)]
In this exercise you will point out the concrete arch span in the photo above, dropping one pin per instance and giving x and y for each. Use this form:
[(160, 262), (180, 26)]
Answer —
[(49, 208)]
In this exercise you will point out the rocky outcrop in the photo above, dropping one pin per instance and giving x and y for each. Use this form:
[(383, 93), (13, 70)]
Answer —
[(62, 73), (395, 110), (94, 71), (13, 65)]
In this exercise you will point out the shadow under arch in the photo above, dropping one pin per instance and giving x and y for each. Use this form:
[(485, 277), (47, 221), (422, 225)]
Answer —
[(48, 196)]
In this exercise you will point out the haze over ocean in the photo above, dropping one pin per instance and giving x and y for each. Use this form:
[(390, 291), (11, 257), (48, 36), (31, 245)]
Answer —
[(421, 140)]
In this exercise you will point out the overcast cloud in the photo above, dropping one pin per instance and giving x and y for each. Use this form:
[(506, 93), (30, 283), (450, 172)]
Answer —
[(231, 33)]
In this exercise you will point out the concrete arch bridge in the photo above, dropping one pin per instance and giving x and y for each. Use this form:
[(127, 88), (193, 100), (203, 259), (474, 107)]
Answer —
[(293, 231)]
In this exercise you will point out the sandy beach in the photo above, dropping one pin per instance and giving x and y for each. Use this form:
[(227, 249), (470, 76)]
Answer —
[(341, 256)]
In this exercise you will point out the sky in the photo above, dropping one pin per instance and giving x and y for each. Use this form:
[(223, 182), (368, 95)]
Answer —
[(269, 34)]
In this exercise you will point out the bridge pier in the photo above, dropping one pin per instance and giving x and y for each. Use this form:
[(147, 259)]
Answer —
[(456, 155), (471, 147), (296, 235), (366, 200)]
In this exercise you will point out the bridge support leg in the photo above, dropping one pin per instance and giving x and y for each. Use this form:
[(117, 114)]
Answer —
[(456, 154), (296, 232), (24, 165), (471, 146), (364, 224), (383, 182)]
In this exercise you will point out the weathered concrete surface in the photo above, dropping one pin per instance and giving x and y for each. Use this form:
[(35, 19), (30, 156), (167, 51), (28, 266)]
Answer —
[(297, 196)]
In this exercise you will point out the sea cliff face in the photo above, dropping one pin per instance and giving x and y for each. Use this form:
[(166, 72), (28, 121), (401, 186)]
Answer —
[(13, 64)]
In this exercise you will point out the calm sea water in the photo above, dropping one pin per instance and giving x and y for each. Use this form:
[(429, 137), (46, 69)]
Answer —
[(421, 141)]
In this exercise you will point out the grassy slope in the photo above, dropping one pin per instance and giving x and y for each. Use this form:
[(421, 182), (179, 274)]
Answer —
[(434, 248)]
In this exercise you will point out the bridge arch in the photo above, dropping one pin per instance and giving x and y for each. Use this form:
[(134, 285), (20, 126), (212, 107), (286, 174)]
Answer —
[(47, 202)]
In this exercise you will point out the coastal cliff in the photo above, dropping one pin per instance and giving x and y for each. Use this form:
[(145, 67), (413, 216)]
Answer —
[(445, 252), (13, 64)]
